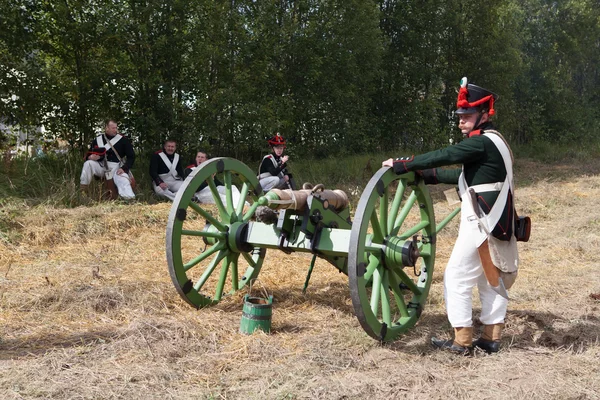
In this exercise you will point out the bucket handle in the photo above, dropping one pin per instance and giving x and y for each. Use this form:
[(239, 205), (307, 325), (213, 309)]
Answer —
[(262, 288)]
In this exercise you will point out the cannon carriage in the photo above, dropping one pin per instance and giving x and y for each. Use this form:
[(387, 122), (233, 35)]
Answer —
[(387, 250)]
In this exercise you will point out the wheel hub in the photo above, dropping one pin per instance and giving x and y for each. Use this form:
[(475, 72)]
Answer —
[(400, 252), (237, 239)]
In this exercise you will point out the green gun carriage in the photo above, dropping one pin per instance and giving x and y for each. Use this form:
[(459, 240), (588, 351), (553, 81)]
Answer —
[(387, 251)]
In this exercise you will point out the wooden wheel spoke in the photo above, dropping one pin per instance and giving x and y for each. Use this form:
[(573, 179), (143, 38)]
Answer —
[(217, 198), (398, 296), (228, 191), (377, 232), (249, 259), (411, 231), (424, 250), (386, 312), (208, 217), (383, 212), (204, 255), (445, 221), (250, 212), (222, 277), (403, 213), (371, 267), (209, 270), (396, 204), (216, 235), (375, 291), (407, 281), (242, 201), (234, 272)]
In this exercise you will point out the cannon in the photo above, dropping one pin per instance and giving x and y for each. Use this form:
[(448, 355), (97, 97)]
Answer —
[(387, 250)]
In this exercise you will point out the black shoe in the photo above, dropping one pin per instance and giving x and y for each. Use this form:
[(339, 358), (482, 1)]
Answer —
[(451, 347), (489, 346)]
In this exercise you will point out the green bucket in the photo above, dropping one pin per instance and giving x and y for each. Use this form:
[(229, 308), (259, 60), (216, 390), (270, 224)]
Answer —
[(256, 314)]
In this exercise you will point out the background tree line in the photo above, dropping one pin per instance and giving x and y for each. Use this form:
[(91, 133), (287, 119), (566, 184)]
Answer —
[(333, 76)]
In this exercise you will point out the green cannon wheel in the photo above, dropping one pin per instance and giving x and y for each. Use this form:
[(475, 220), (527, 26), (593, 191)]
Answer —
[(391, 254), (203, 253)]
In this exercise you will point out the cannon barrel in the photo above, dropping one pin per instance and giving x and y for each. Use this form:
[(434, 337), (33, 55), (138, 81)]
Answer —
[(298, 199)]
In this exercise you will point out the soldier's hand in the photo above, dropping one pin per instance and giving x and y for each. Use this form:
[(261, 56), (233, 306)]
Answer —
[(388, 163), (428, 175), (120, 171), (284, 159), (94, 157), (286, 178), (163, 186)]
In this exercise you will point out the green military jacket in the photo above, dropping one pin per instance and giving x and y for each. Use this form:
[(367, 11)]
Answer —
[(482, 163)]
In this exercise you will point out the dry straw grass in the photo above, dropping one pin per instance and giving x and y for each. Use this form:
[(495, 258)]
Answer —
[(88, 311)]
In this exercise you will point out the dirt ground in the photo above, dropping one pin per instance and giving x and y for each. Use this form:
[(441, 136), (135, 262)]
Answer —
[(88, 311)]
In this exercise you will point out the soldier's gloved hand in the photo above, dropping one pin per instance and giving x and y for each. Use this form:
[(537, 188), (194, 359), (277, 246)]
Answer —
[(400, 166), (428, 176)]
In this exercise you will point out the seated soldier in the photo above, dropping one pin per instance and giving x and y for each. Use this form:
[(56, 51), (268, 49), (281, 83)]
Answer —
[(203, 194), (166, 171), (272, 173), (105, 160)]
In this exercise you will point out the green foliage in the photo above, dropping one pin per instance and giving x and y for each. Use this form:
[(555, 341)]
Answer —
[(334, 77), (551, 153)]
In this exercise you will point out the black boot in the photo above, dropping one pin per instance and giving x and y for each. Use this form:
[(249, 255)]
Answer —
[(489, 346), (452, 347)]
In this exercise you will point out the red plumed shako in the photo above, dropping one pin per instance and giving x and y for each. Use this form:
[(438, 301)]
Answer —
[(277, 140), (472, 99)]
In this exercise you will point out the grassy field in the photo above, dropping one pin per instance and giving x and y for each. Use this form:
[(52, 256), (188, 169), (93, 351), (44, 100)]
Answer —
[(88, 311)]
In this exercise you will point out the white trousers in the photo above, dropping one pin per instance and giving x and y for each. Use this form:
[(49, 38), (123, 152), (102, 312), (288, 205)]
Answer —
[(272, 182), (463, 272), (173, 186), (205, 195), (94, 168)]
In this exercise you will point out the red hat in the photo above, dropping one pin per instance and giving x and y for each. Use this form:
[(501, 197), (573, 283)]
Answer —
[(472, 99), (277, 140)]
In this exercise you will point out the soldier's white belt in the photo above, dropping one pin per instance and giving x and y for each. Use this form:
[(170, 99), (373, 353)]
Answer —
[(488, 187)]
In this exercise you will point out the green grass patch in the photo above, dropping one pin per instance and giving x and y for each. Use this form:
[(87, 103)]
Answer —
[(54, 179)]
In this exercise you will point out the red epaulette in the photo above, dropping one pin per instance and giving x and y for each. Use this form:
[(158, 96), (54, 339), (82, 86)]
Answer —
[(191, 166)]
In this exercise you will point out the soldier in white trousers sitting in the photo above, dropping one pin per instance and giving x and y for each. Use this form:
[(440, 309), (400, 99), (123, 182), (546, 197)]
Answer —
[(204, 194), (166, 171), (110, 156)]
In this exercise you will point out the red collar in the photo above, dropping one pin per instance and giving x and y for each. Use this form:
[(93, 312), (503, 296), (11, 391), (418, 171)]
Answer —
[(474, 133)]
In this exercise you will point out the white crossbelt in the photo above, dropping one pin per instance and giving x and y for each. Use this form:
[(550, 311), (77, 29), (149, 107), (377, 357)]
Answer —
[(106, 145), (488, 187), (495, 213), (170, 165)]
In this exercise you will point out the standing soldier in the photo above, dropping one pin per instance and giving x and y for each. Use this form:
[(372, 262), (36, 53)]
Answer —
[(272, 173), (166, 170), (110, 156), (485, 252)]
